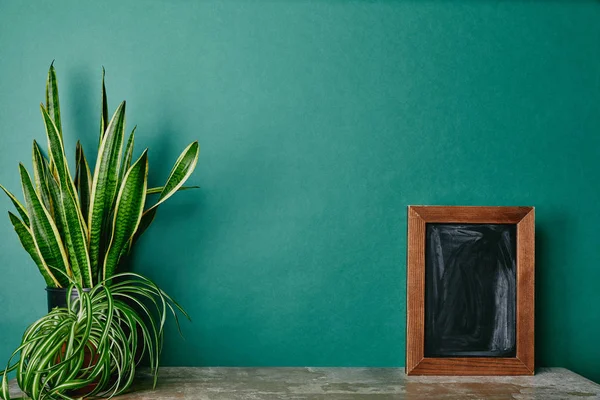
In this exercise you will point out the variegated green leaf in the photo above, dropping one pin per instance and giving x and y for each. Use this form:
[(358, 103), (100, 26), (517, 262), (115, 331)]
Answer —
[(104, 186), (158, 190), (20, 208), (52, 103), (183, 168), (55, 199), (29, 245), (104, 112), (41, 176), (83, 181), (76, 240), (53, 107), (42, 168), (57, 152), (128, 154), (75, 234), (43, 230), (128, 212)]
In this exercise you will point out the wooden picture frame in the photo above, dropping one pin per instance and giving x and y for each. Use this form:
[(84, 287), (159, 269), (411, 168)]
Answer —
[(417, 361)]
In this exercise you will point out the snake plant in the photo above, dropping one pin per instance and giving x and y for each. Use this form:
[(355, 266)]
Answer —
[(79, 227)]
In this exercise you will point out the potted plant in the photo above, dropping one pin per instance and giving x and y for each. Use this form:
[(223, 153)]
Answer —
[(77, 229)]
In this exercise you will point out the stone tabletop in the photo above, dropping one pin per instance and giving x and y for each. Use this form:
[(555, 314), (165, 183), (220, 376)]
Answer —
[(354, 384)]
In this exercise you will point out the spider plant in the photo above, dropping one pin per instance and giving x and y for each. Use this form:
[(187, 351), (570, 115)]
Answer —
[(79, 227), (90, 348)]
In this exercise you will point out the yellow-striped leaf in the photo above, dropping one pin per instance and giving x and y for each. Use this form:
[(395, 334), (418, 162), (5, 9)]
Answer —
[(75, 234), (104, 187), (53, 107), (20, 208), (29, 245), (52, 103), (83, 181), (55, 199), (41, 167), (158, 190), (41, 176), (128, 212), (183, 168), (104, 112), (128, 154), (43, 230)]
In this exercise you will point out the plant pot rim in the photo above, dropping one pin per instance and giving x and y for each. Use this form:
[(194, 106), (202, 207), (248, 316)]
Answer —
[(64, 290)]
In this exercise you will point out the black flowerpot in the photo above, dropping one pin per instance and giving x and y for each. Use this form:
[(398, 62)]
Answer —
[(58, 297)]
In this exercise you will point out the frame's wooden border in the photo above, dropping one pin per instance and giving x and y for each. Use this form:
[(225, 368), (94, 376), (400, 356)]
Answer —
[(416, 362)]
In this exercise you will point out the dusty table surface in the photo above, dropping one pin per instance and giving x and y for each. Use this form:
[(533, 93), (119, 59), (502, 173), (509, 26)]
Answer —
[(353, 384)]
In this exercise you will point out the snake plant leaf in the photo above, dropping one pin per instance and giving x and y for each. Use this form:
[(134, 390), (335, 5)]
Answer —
[(128, 154), (75, 235), (104, 112), (104, 186), (53, 106), (55, 198), (158, 190), (83, 180), (42, 168), (183, 168), (43, 229), (42, 177), (29, 245), (52, 102), (62, 174), (20, 208), (128, 212), (57, 152), (76, 240)]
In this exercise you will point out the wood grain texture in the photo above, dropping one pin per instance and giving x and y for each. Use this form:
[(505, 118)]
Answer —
[(526, 290), (466, 366), (416, 363), (471, 214), (415, 293)]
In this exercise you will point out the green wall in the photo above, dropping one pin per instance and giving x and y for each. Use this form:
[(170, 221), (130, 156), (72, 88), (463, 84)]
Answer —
[(319, 122)]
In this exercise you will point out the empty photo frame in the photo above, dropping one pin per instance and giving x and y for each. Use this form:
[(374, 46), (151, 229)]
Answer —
[(470, 291)]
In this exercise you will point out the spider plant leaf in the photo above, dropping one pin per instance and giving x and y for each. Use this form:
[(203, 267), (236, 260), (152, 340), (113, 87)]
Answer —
[(104, 112), (104, 186), (42, 177), (128, 212), (183, 168), (43, 229), (20, 208), (159, 189), (83, 181), (29, 245), (75, 234), (50, 358)]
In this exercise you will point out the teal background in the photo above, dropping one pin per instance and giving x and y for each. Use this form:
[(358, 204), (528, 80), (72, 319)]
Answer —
[(319, 122)]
